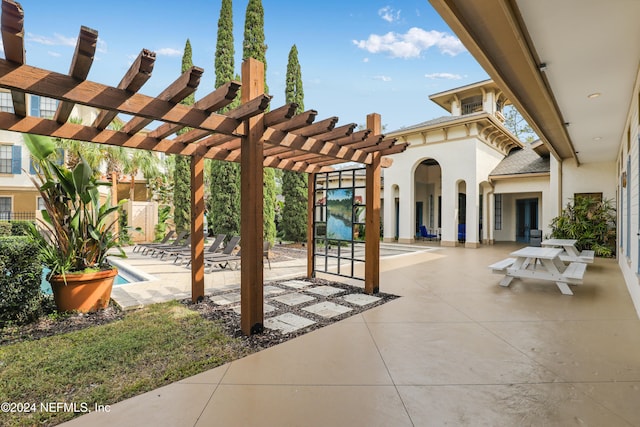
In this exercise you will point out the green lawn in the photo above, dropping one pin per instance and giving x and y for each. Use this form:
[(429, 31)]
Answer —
[(104, 364)]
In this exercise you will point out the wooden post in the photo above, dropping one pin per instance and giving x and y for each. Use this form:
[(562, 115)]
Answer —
[(311, 179), (197, 228), (251, 202), (372, 221)]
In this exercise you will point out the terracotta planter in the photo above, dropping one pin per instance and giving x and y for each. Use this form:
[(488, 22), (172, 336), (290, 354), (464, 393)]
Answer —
[(83, 291)]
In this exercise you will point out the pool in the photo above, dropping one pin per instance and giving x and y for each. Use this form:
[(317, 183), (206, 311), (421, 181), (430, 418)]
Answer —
[(121, 279)]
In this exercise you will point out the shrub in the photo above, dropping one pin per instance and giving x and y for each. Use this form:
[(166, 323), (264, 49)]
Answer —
[(5, 228), (20, 228), (20, 277), (591, 222)]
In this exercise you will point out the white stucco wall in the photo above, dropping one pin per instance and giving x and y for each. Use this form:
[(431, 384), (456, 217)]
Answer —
[(588, 178)]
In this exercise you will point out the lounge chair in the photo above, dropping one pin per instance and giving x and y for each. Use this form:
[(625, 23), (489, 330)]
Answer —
[(228, 250), (164, 241), (214, 247), (424, 233), (181, 240), (223, 261)]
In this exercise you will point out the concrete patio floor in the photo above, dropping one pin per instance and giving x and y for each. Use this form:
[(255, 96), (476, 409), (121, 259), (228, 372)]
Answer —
[(456, 349)]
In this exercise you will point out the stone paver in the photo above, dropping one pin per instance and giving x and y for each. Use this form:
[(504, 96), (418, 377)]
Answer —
[(327, 309), (272, 290), (293, 299), (226, 299), (296, 284), (325, 291), (267, 308), (287, 322), (360, 299)]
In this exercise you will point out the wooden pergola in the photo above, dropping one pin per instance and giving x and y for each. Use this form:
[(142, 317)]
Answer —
[(247, 134)]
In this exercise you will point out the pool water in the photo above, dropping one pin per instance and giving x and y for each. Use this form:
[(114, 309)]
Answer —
[(45, 286)]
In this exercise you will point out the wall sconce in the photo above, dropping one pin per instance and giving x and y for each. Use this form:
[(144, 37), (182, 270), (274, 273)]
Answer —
[(624, 179)]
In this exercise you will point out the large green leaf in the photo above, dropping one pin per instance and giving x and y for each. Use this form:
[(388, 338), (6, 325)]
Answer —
[(39, 146)]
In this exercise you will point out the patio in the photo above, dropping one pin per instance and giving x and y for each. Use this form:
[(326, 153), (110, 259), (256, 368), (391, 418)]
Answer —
[(457, 349)]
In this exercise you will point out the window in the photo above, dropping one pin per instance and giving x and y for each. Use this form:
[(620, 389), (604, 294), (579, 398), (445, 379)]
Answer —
[(10, 159), (5, 208), (595, 196), (472, 104), (498, 212), (48, 107), (41, 205), (5, 158), (6, 102), (43, 107)]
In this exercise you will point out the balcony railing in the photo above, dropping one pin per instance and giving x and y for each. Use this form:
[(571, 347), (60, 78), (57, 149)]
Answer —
[(17, 216), (472, 107)]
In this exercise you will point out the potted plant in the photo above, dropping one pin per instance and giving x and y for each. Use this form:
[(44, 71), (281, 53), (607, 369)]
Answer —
[(78, 230)]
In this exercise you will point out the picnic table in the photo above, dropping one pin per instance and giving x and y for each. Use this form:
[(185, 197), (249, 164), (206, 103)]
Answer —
[(570, 253), (542, 263)]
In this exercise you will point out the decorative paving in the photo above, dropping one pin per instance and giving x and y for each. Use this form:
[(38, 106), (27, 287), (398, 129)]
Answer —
[(327, 309), (296, 284), (226, 299), (360, 299), (267, 308), (319, 301), (293, 299), (272, 290), (287, 322), (325, 291)]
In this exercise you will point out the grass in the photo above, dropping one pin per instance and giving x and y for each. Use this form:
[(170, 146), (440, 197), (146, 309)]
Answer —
[(104, 364)]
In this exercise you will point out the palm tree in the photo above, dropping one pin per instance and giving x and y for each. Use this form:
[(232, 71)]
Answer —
[(141, 161)]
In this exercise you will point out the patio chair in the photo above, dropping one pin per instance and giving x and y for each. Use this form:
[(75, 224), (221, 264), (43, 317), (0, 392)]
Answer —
[(424, 233), (164, 241), (462, 232), (228, 250), (181, 240), (214, 247)]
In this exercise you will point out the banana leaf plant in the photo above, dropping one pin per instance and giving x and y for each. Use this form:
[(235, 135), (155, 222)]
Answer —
[(79, 229)]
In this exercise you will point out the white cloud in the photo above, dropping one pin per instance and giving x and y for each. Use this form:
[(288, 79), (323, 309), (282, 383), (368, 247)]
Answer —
[(365, 60), (411, 44), (54, 54), (168, 51), (101, 46), (56, 40), (446, 76), (382, 78), (389, 14)]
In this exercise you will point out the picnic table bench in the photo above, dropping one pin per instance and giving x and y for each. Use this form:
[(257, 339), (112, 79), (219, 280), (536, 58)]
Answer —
[(570, 253), (541, 263)]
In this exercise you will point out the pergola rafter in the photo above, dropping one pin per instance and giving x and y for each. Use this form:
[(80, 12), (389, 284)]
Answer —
[(246, 134)]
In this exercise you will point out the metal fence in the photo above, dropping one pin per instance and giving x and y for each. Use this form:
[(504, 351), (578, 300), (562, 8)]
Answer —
[(17, 216)]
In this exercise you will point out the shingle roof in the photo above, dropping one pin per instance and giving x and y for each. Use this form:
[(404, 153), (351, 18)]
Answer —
[(436, 121), (522, 161)]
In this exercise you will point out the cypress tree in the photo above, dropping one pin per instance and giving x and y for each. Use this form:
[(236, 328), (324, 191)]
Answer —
[(294, 184), (182, 171), (224, 203), (254, 47)]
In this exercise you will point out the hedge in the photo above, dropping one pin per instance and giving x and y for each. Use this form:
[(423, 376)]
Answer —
[(20, 278)]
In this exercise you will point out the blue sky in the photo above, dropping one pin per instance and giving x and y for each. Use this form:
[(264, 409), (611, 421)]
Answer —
[(357, 57)]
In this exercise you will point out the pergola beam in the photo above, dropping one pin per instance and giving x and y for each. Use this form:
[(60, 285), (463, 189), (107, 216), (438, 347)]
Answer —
[(296, 122), (34, 80), (80, 66), (182, 87), (133, 80), (214, 101), (12, 27)]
